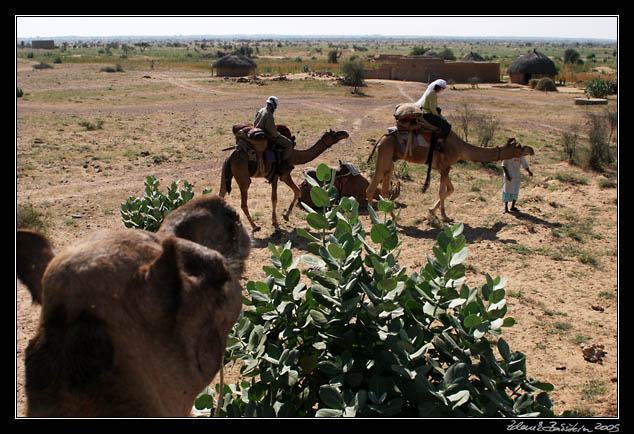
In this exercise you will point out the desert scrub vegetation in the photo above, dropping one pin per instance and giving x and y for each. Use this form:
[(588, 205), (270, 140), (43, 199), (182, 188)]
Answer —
[(359, 336), (27, 217), (599, 132), (92, 126), (147, 212), (117, 68)]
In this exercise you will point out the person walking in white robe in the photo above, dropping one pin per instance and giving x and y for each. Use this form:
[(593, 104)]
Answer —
[(511, 187)]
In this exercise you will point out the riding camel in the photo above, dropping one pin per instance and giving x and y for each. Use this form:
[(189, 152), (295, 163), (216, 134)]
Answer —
[(454, 149), (237, 166)]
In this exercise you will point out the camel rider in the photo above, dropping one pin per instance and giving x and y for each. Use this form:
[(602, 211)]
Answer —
[(265, 121), (429, 104)]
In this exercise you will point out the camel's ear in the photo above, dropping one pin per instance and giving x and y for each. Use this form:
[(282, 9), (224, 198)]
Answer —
[(32, 255), (209, 221), (184, 271)]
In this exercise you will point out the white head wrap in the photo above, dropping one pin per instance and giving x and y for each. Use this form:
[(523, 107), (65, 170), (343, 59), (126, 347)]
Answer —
[(273, 101), (430, 88)]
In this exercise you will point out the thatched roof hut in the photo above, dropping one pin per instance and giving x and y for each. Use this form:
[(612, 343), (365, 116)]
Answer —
[(234, 65), (473, 57), (532, 65)]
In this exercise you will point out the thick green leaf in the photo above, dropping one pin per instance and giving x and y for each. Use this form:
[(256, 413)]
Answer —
[(508, 322), (459, 257), (305, 234), (459, 398), (313, 261), (380, 233), (387, 284), (317, 221), (318, 318), (336, 251), (328, 412), (386, 206), (292, 279), (331, 396), (319, 196), (472, 320), (323, 173)]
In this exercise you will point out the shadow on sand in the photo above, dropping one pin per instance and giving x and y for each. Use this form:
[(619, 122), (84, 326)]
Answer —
[(474, 234)]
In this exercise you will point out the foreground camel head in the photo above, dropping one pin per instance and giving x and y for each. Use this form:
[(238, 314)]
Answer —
[(134, 324), (331, 137), (519, 150)]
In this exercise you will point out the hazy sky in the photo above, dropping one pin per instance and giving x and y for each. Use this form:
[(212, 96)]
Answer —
[(602, 27)]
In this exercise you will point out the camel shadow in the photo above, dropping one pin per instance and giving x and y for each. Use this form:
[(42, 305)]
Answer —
[(474, 234), (279, 237), (471, 234)]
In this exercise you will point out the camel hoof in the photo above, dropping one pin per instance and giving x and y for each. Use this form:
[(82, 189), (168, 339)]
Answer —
[(256, 229), (285, 217)]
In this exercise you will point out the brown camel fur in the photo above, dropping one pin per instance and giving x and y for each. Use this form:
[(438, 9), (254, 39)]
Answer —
[(454, 149), (237, 166), (134, 324)]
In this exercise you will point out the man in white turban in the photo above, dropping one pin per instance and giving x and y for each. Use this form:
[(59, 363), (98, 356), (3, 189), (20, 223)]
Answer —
[(429, 104), (265, 121)]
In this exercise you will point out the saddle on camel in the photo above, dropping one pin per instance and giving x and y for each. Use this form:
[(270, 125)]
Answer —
[(260, 150), (412, 130)]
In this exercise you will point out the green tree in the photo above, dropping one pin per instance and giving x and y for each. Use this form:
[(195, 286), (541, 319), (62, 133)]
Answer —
[(333, 56), (354, 73), (418, 50), (447, 54), (572, 56)]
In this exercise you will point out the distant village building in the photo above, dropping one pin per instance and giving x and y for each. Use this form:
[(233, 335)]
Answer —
[(44, 44), (532, 65), (234, 65), (473, 57), (427, 69)]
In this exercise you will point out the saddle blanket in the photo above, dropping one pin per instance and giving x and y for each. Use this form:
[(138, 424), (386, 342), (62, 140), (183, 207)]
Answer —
[(402, 136)]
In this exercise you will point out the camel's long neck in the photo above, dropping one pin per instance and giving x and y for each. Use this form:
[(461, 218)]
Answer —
[(478, 154), (304, 156)]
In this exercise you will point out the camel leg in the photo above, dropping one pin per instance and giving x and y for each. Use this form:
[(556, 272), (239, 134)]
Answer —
[(385, 190), (446, 188), (380, 174), (244, 194), (288, 180), (274, 201)]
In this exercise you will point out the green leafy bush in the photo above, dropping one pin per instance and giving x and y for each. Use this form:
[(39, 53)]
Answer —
[(598, 88), (359, 336), (148, 212)]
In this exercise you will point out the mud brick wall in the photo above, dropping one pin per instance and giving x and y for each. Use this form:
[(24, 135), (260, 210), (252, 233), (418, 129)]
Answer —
[(427, 69)]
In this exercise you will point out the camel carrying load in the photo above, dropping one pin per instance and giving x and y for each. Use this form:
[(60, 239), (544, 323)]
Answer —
[(254, 158), (254, 142), (411, 129)]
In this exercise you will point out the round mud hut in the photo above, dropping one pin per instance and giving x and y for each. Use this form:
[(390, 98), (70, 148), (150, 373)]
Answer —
[(473, 57), (234, 65), (532, 65)]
